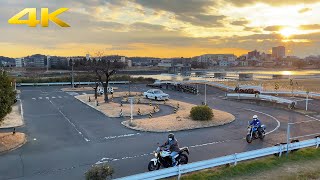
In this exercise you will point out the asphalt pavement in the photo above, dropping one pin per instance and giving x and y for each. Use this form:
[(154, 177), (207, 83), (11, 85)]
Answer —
[(66, 137)]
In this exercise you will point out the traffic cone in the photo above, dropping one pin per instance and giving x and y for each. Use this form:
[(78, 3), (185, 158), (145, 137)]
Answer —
[(150, 104), (150, 115), (139, 112), (175, 110), (121, 103)]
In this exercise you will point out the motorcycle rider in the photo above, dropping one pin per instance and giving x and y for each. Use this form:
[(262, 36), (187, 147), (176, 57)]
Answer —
[(174, 147), (256, 122)]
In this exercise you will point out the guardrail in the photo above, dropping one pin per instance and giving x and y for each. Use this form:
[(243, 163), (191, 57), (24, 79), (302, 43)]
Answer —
[(261, 97), (67, 83), (230, 159)]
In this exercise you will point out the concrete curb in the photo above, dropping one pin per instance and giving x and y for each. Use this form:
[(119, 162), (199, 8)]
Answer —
[(16, 147), (22, 118), (162, 131), (109, 115)]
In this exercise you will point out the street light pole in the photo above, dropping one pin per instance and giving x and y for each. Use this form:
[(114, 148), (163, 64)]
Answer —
[(131, 104), (307, 99), (205, 93), (72, 77)]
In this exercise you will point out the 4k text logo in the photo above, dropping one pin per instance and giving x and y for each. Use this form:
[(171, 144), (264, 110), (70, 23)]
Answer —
[(32, 20)]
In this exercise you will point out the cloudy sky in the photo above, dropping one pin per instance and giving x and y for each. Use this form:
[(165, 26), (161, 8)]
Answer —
[(165, 28)]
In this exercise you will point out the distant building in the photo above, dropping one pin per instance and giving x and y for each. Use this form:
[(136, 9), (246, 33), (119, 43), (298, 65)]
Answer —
[(129, 63), (39, 62), (87, 57), (279, 52), (19, 62), (123, 59), (254, 54), (214, 59), (224, 63)]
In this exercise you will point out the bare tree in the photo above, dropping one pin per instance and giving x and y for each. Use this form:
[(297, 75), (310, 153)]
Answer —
[(104, 69)]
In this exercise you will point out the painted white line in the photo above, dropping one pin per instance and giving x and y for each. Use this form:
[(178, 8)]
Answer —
[(53, 97), (72, 124), (34, 98), (47, 97), (121, 136), (40, 97), (269, 116), (312, 118)]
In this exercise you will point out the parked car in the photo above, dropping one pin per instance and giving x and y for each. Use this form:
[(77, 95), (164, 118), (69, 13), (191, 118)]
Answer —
[(156, 94)]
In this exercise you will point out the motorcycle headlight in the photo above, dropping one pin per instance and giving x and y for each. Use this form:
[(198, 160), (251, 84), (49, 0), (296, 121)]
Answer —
[(155, 154)]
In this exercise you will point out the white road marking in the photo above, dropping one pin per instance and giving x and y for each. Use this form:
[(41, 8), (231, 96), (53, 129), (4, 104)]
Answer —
[(312, 118), (269, 116), (59, 97), (72, 93), (34, 98), (87, 140), (47, 97), (121, 136), (40, 97), (53, 97)]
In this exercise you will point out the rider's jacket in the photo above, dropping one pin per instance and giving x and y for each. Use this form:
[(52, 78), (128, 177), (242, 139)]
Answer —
[(255, 122), (174, 146)]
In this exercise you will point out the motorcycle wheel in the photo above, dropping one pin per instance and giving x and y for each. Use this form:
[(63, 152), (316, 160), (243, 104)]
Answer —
[(262, 135), (248, 138), (183, 159), (152, 167)]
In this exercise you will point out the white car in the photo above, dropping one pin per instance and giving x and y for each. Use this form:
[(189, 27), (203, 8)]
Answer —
[(100, 90), (156, 94)]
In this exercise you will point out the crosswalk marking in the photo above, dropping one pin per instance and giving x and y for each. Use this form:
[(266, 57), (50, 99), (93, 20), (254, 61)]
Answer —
[(34, 98), (59, 97), (53, 97), (47, 97), (40, 97)]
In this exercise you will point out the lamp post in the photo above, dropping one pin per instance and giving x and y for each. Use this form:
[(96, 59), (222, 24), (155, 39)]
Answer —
[(307, 99), (131, 108)]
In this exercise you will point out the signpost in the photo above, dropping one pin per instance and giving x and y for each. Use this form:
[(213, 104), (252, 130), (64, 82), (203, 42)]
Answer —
[(307, 99)]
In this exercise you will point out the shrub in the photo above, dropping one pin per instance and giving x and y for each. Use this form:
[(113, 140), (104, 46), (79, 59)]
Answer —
[(7, 95), (99, 172), (201, 113)]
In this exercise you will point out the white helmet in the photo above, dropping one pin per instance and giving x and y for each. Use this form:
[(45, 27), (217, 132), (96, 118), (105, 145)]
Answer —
[(255, 117)]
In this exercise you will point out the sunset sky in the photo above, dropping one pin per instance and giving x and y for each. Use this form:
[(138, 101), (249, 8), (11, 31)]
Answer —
[(165, 28)]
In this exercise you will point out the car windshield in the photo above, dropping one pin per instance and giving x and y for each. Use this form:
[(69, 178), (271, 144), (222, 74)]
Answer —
[(158, 92)]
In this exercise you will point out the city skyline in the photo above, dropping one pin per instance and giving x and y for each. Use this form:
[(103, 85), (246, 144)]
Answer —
[(165, 28)]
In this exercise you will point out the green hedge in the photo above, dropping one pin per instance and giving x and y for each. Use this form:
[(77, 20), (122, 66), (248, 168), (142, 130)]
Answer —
[(7, 94), (201, 113)]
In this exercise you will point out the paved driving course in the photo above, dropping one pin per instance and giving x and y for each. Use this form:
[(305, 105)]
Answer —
[(66, 137)]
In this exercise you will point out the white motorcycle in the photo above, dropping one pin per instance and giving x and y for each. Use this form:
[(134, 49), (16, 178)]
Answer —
[(162, 158)]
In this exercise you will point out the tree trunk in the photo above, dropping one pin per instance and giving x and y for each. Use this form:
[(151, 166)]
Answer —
[(105, 86), (96, 91)]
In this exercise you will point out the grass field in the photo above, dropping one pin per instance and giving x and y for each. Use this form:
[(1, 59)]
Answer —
[(303, 164)]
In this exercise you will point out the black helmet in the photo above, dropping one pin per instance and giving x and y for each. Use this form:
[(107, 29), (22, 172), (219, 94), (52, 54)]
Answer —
[(171, 135)]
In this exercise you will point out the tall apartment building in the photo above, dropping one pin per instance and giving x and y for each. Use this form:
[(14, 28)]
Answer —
[(19, 62), (279, 52)]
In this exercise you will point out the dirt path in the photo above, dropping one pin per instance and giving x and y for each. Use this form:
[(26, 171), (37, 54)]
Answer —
[(9, 141)]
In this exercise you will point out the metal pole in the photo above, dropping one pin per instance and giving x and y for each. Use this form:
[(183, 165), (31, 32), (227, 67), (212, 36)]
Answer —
[(205, 93), (72, 78), (307, 99), (129, 87), (288, 138), (131, 118)]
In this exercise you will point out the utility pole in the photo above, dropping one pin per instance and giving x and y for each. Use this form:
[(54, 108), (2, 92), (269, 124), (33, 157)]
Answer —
[(72, 77), (307, 99), (131, 106), (205, 93)]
